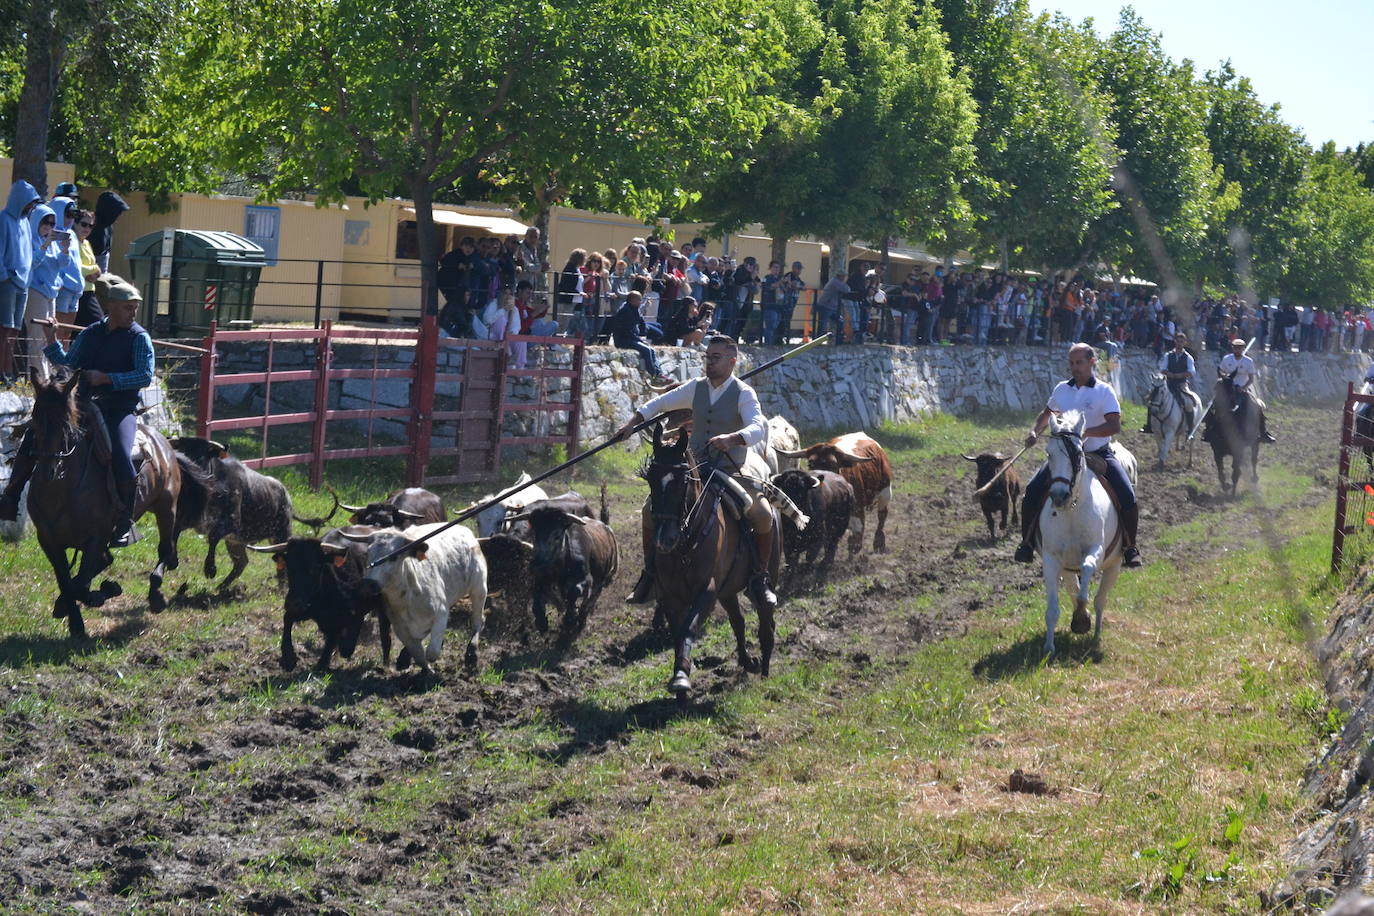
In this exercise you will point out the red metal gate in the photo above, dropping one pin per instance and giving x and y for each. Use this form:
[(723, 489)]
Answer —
[(1361, 507), (478, 417)]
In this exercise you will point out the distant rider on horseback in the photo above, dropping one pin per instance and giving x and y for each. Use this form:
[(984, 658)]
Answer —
[(1178, 368), (115, 356), (1241, 371), (726, 422), (1096, 401)]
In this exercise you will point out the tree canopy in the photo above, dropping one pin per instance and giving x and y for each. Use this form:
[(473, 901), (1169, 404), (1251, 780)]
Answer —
[(958, 124)]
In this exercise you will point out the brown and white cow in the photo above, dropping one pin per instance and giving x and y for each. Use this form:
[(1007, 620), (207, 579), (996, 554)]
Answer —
[(860, 460)]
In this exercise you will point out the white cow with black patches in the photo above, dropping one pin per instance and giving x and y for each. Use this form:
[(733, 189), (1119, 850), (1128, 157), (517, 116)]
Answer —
[(419, 586)]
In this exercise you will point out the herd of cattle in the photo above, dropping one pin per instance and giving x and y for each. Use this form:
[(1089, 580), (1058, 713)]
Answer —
[(398, 561)]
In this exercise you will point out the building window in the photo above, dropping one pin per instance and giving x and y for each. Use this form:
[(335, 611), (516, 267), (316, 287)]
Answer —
[(357, 231), (262, 225), (407, 241)]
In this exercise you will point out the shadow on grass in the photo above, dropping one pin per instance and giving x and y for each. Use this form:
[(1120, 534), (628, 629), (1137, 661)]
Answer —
[(55, 649), (593, 725), (1025, 656)]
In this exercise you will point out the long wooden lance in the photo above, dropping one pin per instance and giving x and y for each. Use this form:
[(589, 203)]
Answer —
[(161, 343), (1198, 425), (998, 476), (472, 510)]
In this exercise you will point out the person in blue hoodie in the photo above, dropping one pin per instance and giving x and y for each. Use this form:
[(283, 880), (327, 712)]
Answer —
[(52, 250), (16, 261), (73, 283)]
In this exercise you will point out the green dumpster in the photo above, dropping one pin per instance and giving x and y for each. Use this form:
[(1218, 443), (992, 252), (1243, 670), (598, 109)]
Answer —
[(190, 277)]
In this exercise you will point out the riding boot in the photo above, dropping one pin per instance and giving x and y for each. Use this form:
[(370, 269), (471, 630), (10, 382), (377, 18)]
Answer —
[(760, 548), (1130, 521), (125, 534), (21, 469), (1148, 420), (1025, 551), (1265, 435)]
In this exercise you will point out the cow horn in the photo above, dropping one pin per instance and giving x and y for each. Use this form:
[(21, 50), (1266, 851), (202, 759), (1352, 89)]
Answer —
[(853, 457), (320, 522), (355, 538), (970, 458), (800, 453), (413, 516), (523, 516), (575, 518), (273, 548), (342, 505), (332, 549)]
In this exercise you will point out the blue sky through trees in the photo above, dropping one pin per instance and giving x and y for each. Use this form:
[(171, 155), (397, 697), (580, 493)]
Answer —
[(1310, 58)]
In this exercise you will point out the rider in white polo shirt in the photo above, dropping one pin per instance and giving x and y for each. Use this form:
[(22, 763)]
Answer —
[(1095, 399), (1241, 368)]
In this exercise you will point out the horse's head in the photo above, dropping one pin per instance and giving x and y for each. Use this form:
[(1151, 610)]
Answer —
[(1159, 392), (673, 487), (55, 418), (1065, 451)]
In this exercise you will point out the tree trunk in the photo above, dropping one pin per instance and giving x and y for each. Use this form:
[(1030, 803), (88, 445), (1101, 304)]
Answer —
[(47, 45), (779, 247), (885, 254), (839, 256), (1004, 253), (428, 238)]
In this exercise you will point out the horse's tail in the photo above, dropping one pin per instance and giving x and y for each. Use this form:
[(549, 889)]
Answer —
[(197, 487), (605, 510)]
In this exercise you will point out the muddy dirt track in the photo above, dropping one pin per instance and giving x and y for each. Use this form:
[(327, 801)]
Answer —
[(175, 767)]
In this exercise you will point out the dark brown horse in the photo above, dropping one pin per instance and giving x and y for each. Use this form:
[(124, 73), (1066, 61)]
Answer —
[(699, 558), (1233, 428), (73, 504)]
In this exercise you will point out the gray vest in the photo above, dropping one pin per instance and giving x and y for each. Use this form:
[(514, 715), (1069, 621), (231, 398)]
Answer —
[(1177, 362), (709, 421)]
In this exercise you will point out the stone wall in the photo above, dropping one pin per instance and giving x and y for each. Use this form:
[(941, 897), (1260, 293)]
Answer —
[(824, 388), (860, 387), (1335, 855)]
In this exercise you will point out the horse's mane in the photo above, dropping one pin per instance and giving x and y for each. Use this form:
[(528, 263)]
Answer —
[(54, 411)]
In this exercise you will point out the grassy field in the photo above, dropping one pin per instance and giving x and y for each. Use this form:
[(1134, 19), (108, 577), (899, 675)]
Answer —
[(169, 764)]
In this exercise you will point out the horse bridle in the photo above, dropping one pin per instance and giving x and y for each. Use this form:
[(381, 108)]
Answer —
[(1075, 457), (684, 520)]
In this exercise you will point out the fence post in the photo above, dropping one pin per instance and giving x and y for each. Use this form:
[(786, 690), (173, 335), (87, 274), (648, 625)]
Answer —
[(319, 290), (575, 408), (1342, 478), (426, 365), (317, 435), (205, 394)]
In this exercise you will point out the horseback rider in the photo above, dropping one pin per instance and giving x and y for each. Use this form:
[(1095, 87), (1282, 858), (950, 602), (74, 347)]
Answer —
[(726, 422), (1096, 401), (115, 356), (1177, 367), (1240, 369)]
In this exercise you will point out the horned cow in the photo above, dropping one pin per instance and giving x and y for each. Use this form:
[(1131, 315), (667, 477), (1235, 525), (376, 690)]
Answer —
[(1003, 496), (859, 459), (828, 501)]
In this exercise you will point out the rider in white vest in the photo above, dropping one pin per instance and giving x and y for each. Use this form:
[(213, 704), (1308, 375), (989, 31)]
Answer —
[(1178, 369), (1241, 368), (1096, 401), (726, 422)]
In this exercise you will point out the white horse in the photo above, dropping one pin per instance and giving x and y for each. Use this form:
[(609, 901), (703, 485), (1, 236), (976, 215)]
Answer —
[(1080, 534), (1168, 419)]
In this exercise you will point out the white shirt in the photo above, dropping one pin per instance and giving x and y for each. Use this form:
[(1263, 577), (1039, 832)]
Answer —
[(1244, 369), (682, 397), (1094, 401), (1164, 362)]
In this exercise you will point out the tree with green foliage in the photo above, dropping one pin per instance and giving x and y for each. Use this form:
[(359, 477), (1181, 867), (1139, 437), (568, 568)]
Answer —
[(1333, 264), (344, 96), (1045, 138), (1265, 159), (1170, 190), (872, 137)]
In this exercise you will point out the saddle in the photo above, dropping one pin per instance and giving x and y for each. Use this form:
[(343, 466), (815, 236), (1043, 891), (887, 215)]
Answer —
[(103, 448), (1097, 465)]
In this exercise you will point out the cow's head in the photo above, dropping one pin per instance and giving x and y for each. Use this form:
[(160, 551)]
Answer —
[(322, 584), (549, 528), (826, 456), (201, 451), (382, 515), (989, 463)]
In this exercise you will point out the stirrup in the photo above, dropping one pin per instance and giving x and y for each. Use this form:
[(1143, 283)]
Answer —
[(643, 591), (1025, 553), (126, 537), (1130, 557), (759, 590)]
